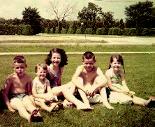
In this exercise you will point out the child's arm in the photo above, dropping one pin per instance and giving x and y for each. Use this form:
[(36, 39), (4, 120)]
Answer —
[(28, 88), (100, 81), (112, 87), (125, 87), (6, 90), (77, 80)]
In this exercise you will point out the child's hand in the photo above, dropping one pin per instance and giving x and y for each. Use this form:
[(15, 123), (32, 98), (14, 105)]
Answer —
[(131, 93), (54, 98), (11, 109)]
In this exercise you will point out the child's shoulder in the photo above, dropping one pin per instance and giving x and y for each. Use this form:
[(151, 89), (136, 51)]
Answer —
[(80, 67), (10, 77), (109, 70), (27, 77)]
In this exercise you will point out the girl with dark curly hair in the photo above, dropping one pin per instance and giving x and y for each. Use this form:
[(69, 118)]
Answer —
[(56, 60)]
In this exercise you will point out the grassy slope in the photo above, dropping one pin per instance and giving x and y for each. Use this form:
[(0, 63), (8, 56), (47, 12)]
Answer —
[(139, 74)]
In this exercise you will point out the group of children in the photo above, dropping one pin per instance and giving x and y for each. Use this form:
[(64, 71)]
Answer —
[(45, 91)]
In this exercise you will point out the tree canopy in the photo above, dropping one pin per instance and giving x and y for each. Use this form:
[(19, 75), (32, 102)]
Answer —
[(140, 15), (31, 17)]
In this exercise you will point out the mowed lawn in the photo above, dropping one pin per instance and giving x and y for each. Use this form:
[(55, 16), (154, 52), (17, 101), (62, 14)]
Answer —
[(140, 73)]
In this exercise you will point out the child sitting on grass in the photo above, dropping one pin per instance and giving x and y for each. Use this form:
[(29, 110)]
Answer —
[(41, 89), (17, 91), (90, 81), (118, 91)]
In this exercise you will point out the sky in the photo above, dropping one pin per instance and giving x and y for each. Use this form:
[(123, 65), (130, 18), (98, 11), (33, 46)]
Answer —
[(10, 9)]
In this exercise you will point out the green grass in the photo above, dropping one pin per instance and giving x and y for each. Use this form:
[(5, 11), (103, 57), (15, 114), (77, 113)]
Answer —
[(140, 73), (97, 48)]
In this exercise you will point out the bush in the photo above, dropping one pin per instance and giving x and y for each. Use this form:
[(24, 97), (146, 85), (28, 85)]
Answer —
[(64, 31), (110, 31), (26, 30), (71, 30), (99, 31), (78, 31), (146, 32), (89, 31)]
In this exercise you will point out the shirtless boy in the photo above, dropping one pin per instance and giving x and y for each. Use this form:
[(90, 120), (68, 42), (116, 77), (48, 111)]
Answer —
[(90, 80), (17, 90)]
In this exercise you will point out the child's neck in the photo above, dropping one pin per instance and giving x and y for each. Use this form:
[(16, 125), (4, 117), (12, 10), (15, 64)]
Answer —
[(55, 68), (41, 80)]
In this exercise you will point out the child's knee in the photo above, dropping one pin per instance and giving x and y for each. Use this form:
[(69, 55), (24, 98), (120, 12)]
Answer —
[(100, 80)]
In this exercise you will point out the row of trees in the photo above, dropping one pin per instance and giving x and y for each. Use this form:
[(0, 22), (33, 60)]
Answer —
[(138, 16)]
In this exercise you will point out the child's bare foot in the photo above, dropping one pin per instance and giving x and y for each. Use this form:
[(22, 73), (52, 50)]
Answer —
[(108, 106), (67, 104), (84, 107), (151, 102), (54, 106)]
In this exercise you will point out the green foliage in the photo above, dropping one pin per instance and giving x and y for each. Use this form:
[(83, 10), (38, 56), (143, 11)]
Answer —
[(130, 31), (88, 31), (31, 17), (64, 31), (26, 30), (99, 31), (57, 30), (139, 15), (89, 13), (110, 31), (71, 30), (78, 31), (115, 31), (15, 29)]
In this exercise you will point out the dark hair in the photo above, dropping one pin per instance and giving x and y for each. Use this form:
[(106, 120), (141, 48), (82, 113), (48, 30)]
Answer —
[(62, 53), (19, 59), (89, 55), (119, 59), (43, 66)]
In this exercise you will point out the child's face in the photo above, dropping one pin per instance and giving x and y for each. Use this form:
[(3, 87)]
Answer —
[(116, 65), (56, 59), (41, 73), (19, 69), (88, 64)]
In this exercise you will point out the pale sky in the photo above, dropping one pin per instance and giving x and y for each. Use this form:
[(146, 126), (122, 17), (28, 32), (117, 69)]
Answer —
[(10, 9)]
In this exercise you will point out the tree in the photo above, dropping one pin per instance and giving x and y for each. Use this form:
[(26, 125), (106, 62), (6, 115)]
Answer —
[(107, 19), (61, 10), (31, 17), (139, 15), (94, 16)]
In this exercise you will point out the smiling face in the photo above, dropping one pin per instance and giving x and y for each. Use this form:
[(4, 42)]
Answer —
[(116, 65), (89, 64), (41, 73), (56, 59), (19, 69)]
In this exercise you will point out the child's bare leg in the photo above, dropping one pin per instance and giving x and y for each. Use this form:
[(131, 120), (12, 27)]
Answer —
[(139, 101), (18, 105), (41, 103), (68, 94), (84, 97), (104, 98), (29, 105)]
